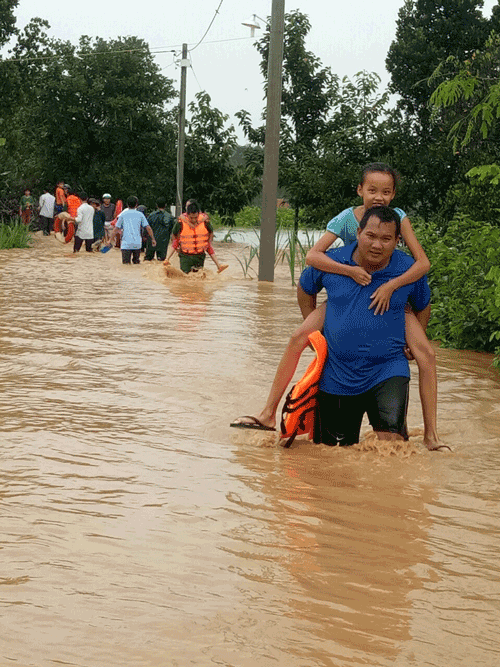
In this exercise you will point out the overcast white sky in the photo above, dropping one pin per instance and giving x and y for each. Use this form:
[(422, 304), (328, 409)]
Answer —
[(347, 36)]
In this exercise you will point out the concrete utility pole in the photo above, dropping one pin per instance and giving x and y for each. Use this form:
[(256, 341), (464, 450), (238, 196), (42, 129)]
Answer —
[(272, 145), (181, 133)]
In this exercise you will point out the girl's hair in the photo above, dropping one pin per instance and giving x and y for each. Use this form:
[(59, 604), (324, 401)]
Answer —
[(382, 167)]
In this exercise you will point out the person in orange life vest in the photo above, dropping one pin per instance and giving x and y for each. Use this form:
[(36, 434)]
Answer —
[(60, 198), (202, 217), (73, 202), (210, 249)]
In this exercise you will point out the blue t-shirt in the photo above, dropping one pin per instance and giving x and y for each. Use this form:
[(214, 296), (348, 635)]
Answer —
[(131, 221), (345, 226), (363, 349)]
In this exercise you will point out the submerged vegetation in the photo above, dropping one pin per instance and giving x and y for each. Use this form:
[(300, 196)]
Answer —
[(14, 234)]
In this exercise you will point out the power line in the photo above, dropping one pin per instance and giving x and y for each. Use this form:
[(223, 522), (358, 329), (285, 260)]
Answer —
[(211, 22), (174, 62), (194, 74), (155, 50), (231, 39), (90, 55)]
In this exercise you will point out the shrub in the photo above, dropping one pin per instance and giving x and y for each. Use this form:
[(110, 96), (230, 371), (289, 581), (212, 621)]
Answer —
[(465, 282), (14, 234)]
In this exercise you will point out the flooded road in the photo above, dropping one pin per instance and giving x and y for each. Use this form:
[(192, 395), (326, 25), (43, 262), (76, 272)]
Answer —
[(137, 529)]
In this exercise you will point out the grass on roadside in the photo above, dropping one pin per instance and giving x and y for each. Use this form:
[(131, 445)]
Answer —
[(14, 235)]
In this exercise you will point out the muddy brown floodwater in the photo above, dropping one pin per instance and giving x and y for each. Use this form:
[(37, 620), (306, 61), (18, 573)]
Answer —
[(137, 529)]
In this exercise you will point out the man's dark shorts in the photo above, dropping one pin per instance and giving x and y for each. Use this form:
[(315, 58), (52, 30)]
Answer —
[(338, 418), (45, 224), (190, 262), (133, 255)]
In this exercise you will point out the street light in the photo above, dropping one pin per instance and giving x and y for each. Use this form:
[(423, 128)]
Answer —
[(253, 24)]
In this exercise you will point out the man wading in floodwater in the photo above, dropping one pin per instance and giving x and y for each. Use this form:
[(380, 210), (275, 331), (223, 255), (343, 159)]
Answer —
[(132, 222), (366, 369)]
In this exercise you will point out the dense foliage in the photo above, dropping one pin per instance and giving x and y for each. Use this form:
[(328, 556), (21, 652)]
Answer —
[(464, 279), (330, 127), (101, 116), (211, 176), (428, 32)]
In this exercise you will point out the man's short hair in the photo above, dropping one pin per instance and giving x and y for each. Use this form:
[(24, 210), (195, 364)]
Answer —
[(192, 207), (132, 201), (384, 214), (83, 196), (161, 202)]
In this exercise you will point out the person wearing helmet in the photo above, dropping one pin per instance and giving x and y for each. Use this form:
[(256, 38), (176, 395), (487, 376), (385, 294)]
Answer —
[(108, 208)]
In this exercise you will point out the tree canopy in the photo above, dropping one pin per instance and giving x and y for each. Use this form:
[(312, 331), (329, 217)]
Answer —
[(211, 176), (427, 33), (102, 116), (7, 20)]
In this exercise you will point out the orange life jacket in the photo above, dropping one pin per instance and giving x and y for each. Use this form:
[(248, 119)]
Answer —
[(194, 240), (60, 196), (118, 210), (73, 202), (297, 415)]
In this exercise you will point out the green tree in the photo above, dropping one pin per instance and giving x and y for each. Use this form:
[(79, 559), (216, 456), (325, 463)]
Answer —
[(426, 34), (307, 96), (468, 97), (16, 91), (210, 174), (354, 135), (8, 77), (471, 89), (95, 115), (7, 20)]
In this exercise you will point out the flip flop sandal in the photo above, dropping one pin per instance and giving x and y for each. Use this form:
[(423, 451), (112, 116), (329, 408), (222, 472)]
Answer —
[(254, 424)]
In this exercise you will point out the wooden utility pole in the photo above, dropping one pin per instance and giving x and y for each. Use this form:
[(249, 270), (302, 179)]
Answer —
[(181, 133), (272, 145)]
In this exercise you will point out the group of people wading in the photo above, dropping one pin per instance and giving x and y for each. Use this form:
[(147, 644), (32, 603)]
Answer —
[(102, 224), (191, 235)]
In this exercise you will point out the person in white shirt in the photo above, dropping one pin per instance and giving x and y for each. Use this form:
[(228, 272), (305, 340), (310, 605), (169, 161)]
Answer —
[(85, 221), (46, 212)]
